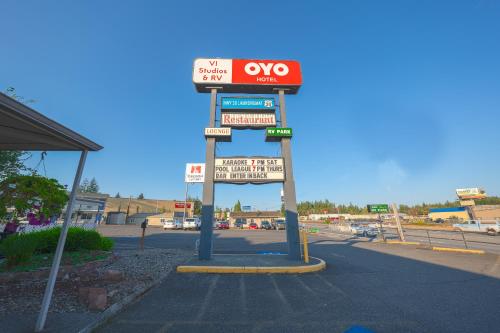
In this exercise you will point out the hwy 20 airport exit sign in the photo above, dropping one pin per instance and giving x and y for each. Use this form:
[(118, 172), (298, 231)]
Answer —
[(247, 75), (379, 208)]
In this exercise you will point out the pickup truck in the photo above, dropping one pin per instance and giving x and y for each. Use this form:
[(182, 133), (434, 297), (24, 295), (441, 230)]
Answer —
[(491, 227)]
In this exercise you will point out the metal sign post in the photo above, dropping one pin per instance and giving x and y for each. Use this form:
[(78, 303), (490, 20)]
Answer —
[(207, 210), (292, 220), (398, 222)]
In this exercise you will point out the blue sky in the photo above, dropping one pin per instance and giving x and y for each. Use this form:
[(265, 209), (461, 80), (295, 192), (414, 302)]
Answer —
[(400, 101)]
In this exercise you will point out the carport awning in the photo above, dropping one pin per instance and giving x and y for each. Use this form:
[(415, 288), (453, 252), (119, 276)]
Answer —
[(22, 128)]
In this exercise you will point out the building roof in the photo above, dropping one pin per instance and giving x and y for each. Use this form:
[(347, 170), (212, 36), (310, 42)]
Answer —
[(447, 210), (257, 214), (22, 128), (140, 215)]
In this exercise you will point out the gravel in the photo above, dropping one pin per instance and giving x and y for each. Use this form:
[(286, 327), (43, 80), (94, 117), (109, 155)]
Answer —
[(140, 268)]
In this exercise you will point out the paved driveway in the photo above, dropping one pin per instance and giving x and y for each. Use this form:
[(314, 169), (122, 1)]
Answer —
[(380, 287)]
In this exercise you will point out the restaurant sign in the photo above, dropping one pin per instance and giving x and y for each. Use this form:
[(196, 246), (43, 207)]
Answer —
[(247, 120), (247, 103), (256, 170)]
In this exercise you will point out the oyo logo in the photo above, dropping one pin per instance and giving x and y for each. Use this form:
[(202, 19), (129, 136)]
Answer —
[(253, 68), (196, 169)]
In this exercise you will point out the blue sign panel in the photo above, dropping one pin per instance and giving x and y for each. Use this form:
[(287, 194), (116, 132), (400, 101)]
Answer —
[(246, 208), (247, 103)]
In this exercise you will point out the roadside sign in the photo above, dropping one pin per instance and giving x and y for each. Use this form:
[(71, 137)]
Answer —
[(276, 133), (379, 208), (470, 193), (248, 103), (246, 208), (195, 173), (181, 205), (219, 133), (247, 75), (247, 120), (256, 170)]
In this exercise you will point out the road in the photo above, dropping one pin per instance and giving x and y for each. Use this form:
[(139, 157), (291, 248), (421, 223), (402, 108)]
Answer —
[(380, 287), (443, 238)]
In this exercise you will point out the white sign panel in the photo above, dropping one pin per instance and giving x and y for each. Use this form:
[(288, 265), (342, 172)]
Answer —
[(470, 193), (249, 170), (248, 119), (195, 173), (213, 71), (217, 131)]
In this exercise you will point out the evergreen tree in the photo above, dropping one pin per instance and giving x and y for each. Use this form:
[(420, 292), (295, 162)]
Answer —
[(117, 195), (237, 207), (140, 196), (84, 186), (93, 187)]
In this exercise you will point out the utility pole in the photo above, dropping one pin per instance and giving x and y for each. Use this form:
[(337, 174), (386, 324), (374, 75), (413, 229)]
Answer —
[(185, 202), (398, 222)]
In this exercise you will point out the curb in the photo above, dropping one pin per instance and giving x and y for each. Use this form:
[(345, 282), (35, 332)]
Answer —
[(402, 243), (253, 269), (115, 308), (453, 249)]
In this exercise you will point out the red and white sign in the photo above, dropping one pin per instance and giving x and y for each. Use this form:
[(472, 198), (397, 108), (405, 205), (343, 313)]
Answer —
[(181, 205), (195, 173), (248, 120), (247, 75)]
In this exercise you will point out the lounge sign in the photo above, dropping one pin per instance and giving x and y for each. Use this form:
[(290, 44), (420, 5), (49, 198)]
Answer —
[(247, 75), (247, 120), (247, 103), (277, 133), (219, 133), (255, 170)]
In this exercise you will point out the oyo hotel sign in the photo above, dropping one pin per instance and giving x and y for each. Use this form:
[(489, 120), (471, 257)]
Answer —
[(219, 133), (247, 75), (242, 170), (247, 120)]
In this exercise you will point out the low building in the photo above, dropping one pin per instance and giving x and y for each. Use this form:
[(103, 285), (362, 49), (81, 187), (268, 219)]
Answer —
[(116, 218), (254, 217), (449, 213), (87, 208), (157, 220), (486, 212), (138, 218)]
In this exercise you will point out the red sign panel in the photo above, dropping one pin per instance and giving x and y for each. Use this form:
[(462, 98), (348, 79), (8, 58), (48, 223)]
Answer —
[(278, 72), (181, 205)]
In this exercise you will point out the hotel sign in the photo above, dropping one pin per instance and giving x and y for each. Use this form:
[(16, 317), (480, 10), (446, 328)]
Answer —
[(219, 133), (248, 103), (247, 75), (247, 120), (256, 170), (195, 173)]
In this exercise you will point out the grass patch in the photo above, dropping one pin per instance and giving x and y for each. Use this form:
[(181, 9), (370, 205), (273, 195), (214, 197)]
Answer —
[(40, 261)]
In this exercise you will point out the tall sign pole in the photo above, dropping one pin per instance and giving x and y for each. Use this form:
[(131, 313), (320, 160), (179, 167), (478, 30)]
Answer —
[(207, 210), (292, 221)]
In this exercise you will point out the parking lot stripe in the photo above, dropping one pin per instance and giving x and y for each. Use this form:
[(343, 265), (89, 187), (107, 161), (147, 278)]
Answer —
[(330, 285), (207, 298), (243, 293), (286, 305), (303, 284)]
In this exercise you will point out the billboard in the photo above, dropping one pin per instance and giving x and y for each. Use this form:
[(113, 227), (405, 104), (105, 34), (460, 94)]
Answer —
[(247, 75), (248, 103), (256, 170), (195, 173), (247, 120), (181, 205), (470, 193)]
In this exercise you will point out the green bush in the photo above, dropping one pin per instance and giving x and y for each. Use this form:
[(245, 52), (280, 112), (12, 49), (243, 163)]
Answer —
[(81, 239), (107, 244), (18, 249)]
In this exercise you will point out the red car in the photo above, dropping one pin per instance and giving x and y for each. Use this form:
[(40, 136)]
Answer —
[(253, 226), (223, 225)]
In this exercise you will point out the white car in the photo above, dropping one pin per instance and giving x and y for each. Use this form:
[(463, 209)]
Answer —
[(169, 224), (191, 223)]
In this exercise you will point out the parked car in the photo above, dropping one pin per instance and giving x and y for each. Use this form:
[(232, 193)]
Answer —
[(253, 225), (266, 225), (490, 227), (357, 229), (191, 223), (280, 224), (169, 225), (240, 224), (371, 232), (222, 225)]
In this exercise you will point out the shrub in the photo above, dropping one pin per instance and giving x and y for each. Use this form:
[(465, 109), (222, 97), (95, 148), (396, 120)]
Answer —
[(81, 239), (107, 244), (17, 249)]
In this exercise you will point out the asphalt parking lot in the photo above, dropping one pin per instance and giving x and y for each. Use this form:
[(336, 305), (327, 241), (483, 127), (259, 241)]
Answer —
[(378, 287)]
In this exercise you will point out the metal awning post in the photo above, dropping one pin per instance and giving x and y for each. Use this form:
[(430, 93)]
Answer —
[(49, 289)]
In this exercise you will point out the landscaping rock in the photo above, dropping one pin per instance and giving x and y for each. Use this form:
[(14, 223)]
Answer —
[(97, 298), (113, 275)]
